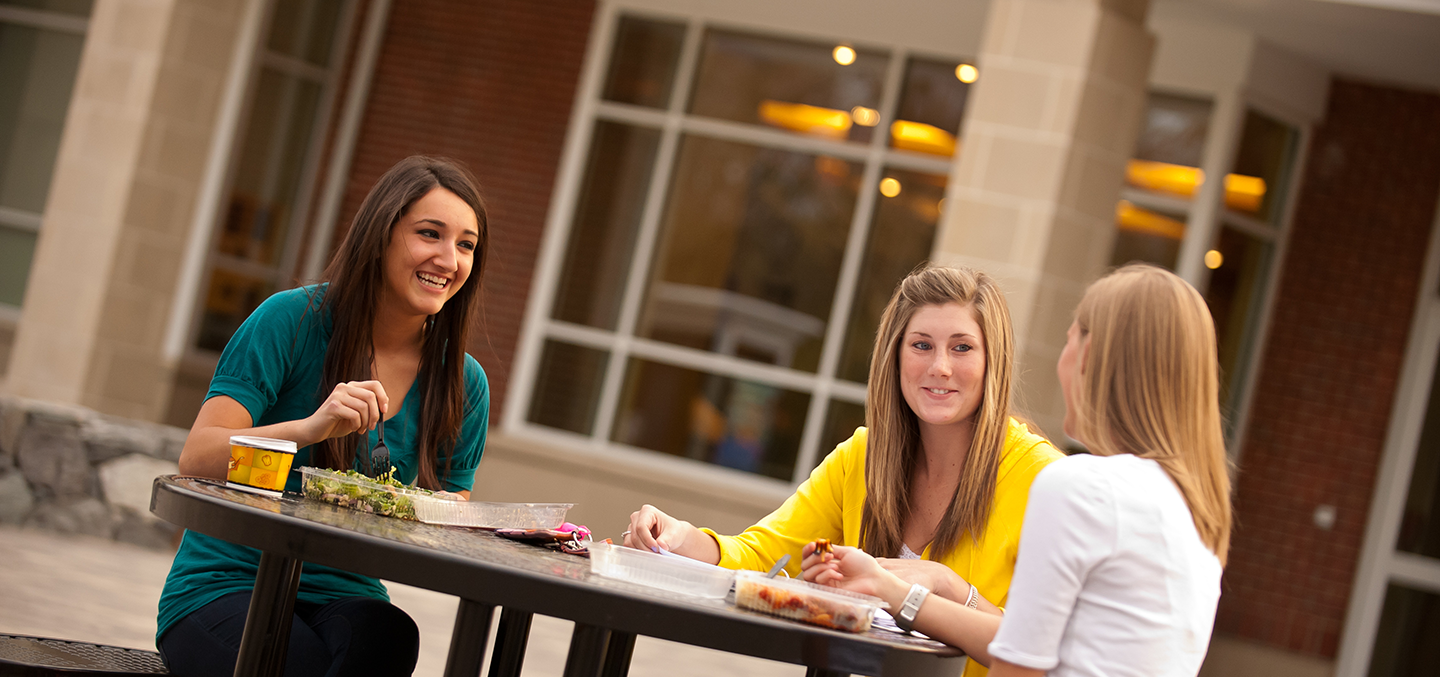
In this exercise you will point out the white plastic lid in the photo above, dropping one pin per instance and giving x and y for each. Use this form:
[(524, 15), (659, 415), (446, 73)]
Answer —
[(268, 443)]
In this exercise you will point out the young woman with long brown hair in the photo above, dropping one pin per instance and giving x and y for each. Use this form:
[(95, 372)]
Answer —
[(937, 480), (1122, 548), (380, 343)]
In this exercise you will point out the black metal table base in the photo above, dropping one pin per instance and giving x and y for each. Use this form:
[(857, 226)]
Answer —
[(267, 623), (467, 641), (511, 636)]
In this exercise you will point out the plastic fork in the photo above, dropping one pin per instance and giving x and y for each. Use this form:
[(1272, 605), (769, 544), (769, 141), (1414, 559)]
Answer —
[(380, 455)]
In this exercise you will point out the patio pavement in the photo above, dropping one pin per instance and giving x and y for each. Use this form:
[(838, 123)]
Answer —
[(88, 589)]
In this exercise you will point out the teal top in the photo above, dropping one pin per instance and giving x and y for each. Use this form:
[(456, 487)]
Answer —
[(272, 366)]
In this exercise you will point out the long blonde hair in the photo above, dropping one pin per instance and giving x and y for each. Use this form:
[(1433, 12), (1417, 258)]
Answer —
[(894, 432), (1149, 386)]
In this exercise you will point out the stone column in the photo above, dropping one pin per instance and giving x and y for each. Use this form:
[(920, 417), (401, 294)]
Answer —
[(121, 205), (1052, 122)]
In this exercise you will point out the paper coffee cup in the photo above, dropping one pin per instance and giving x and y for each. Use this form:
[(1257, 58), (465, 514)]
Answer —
[(260, 465)]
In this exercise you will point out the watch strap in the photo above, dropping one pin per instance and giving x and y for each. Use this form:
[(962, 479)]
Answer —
[(905, 617)]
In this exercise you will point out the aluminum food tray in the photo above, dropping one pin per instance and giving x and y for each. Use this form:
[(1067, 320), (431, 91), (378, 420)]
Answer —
[(484, 515), (674, 573), (807, 602)]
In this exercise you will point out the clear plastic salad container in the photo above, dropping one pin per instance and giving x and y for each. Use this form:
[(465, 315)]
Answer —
[(805, 601), (480, 514), (355, 491), (674, 573)]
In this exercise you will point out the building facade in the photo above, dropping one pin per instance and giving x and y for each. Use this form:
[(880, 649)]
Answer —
[(698, 210)]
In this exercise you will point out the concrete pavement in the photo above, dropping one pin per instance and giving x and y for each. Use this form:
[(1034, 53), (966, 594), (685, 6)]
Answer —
[(94, 590)]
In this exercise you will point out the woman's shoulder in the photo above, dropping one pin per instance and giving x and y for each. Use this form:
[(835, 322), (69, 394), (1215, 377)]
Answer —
[(1026, 452)]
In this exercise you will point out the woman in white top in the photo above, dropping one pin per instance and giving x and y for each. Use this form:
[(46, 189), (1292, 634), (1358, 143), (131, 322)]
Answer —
[(1121, 550)]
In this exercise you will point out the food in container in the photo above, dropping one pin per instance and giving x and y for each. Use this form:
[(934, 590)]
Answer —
[(674, 573), (259, 465), (353, 490), (805, 601), (484, 515)]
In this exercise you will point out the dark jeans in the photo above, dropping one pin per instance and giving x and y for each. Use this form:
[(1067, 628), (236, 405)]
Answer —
[(351, 636)]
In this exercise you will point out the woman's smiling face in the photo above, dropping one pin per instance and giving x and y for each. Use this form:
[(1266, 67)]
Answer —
[(431, 251), (942, 364)]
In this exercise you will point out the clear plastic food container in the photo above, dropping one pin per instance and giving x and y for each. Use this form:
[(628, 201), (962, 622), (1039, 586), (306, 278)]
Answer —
[(483, 515), (667, 572), (805, 601), (359, 493)]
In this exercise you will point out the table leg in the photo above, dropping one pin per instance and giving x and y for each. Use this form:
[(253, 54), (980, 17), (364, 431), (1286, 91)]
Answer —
[(617, 654), (821, 672), (467, 642), (587, 651), (510, 640), (267, 623)]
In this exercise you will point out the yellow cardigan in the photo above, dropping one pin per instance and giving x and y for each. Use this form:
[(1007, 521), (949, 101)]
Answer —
[(830, 505)]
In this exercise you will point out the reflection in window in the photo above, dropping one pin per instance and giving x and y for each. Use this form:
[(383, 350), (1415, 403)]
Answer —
[(1239, 263), (1148, 235), (642, 64), (37, 73), (840, 424), (567, 387), (1261, 166), (802, 87), (902, 233), (607, 220), (259, 232), (932, 103), (749, 251), (1420, 523), (729, 422), (1405, 643)]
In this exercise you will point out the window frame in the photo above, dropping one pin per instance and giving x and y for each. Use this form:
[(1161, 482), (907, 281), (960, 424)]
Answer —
[(621, 344)]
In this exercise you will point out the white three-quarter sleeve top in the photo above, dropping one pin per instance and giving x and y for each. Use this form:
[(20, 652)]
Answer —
[(1111, 578)]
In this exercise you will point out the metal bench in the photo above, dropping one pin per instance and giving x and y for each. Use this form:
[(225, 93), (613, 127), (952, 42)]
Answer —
[(35, 656)]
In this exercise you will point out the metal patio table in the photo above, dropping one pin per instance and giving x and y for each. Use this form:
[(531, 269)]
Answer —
[(486, 571)]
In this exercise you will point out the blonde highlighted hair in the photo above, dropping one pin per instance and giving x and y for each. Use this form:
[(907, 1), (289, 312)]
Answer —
[(1149, 386), (893, 442)]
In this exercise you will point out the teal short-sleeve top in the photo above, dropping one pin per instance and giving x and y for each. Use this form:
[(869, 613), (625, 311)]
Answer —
[(272, 367)]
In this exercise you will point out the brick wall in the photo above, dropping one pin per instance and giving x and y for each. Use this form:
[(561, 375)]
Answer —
[(490, 83), (1330, 365)]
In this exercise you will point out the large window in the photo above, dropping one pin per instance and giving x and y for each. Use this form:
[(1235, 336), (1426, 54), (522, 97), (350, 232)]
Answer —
[(746, 206), (1232, 230), (40, 42), (259, 234)]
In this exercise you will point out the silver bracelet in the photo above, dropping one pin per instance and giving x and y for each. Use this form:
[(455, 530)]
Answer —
[(905, 618), (973, 601)]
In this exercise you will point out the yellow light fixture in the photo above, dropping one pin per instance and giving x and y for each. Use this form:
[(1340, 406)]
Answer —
[(1145, 222), (806, 119), (1244, 193), (918, 136), (967, 73), (889, 187), (865, 117), (1213, 259), (843, 55)]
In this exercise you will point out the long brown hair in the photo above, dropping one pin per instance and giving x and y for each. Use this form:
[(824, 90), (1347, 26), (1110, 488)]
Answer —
[(356, 276), (1149, 386), (894, 432)]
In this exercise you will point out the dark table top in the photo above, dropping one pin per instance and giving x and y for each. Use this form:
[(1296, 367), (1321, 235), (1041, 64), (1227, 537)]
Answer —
[(480, 566)]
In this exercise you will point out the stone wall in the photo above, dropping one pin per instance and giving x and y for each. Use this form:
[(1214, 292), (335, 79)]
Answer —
[(69, 469)]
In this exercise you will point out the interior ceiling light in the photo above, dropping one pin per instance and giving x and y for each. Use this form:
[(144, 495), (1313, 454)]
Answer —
[(865, 117), (843, 55), (889, 186), (1145, 222), (1243, 193), (918, 136), (806, 119), (967, 73), (1213, 259)]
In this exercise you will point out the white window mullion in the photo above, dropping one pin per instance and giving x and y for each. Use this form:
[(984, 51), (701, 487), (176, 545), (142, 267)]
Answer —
[(649, 232), (19, 219), (1415, 571), (45, 20), (1226, 121), (850, 268)]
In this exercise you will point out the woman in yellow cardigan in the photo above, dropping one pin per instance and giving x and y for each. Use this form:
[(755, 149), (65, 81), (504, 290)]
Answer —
[(937, 481)]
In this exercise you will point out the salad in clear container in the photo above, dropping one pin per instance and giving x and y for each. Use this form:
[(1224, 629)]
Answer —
[(350, 489)]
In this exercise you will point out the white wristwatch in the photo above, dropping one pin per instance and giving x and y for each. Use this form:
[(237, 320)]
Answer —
[(905, 618)]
